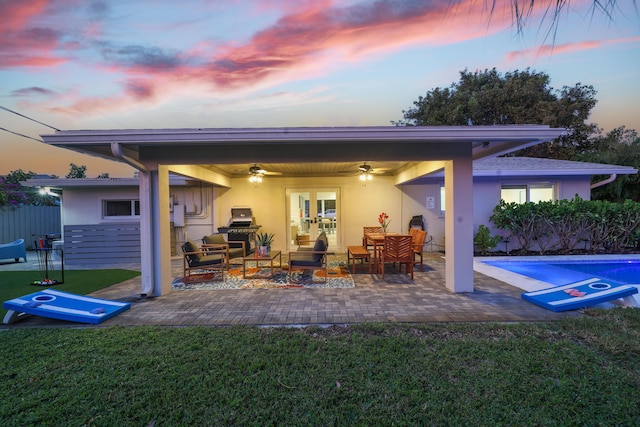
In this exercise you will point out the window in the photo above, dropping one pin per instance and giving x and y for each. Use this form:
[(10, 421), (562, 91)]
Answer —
[(120, 208), (522, 193), (518, 193)]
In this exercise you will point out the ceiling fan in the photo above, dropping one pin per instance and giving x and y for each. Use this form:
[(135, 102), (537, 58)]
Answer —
[(257, 169), (365, 171)]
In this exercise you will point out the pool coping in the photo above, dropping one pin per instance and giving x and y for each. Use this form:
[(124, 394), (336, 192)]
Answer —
[(527, 283)]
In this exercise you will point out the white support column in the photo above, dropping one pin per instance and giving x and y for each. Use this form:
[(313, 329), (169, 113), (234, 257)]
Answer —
[(458, 181), (146, 244), (155, 240)]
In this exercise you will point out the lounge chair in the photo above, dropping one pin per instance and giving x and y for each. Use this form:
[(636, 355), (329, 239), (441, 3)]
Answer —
[(235, 249), (310, 259), (203, 259)]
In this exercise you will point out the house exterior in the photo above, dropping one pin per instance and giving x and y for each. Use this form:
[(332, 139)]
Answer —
[(197, 209), (310, 162)]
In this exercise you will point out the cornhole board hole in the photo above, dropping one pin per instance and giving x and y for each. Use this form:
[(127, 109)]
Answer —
[(579, 294), (64, 306)]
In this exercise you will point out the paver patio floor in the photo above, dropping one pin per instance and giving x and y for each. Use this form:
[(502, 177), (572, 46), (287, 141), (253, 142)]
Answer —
[(396, 299)]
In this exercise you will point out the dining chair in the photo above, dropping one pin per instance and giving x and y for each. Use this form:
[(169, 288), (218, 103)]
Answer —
[(397, 249), (417, 244), (366, 230)]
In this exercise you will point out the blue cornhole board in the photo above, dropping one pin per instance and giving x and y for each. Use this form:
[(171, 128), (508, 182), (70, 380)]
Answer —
[(64, 306), (595, 290)]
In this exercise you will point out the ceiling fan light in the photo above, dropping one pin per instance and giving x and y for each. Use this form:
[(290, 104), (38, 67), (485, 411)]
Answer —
[(363, 177)]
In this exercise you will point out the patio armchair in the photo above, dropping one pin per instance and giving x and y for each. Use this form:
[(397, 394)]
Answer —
[(310, 260), (235, 249), (203, 260), (397, 249), (304, 242)]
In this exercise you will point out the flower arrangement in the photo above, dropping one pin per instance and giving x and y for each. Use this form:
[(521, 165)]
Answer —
[(384, 221)]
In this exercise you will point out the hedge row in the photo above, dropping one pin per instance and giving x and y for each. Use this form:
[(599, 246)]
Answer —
[(567, 225)]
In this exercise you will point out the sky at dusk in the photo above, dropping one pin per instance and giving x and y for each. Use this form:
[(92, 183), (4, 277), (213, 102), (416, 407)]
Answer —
[(83, 64)]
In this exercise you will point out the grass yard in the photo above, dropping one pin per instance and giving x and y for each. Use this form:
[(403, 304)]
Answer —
[(18, 283), (581, 371)]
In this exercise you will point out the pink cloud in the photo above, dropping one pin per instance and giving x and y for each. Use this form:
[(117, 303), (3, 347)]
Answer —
[(307, 41), (314, 35), (565, 48), (24, 43)]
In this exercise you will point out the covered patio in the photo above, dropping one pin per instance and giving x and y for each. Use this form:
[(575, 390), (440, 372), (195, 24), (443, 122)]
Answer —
[(209, 155)]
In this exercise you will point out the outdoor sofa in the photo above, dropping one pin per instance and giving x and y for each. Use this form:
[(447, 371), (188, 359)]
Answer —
[(15, 250)]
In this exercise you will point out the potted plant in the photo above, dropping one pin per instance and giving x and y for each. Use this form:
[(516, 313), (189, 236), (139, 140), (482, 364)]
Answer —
[(263, 243)]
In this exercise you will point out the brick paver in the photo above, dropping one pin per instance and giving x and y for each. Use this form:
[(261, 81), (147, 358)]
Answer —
[(395, 299)]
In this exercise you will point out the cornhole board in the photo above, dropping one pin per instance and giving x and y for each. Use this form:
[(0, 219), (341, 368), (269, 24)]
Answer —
[(579, 294), (63, 305)]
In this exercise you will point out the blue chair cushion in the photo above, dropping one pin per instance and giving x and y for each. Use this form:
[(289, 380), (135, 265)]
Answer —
[(319, 246), (302, 259)]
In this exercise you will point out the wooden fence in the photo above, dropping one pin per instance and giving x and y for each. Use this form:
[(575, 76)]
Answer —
[(28, 222), (102, 243)]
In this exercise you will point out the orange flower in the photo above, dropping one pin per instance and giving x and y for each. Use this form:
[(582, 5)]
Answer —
[(384, 220)]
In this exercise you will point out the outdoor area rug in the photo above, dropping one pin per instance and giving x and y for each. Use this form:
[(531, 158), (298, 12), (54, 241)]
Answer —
[(338, 276)]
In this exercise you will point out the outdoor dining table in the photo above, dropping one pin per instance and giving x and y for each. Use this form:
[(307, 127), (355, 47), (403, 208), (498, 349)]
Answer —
[(378, 240)]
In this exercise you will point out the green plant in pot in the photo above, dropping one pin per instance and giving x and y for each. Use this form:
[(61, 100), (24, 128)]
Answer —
[(263, 243)]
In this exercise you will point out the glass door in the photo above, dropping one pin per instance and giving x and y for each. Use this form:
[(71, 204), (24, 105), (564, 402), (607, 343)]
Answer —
[(311, 211)]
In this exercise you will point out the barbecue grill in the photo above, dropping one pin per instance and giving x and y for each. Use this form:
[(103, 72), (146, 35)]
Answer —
[(241, 227)]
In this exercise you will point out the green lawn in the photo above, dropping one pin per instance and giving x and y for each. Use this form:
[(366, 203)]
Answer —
[(18, 283), (581, 371)]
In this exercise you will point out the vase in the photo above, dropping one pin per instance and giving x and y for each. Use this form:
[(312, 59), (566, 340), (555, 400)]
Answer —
[(263, 251)]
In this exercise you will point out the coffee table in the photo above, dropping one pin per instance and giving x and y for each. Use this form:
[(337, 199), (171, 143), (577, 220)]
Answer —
[(271, 257)]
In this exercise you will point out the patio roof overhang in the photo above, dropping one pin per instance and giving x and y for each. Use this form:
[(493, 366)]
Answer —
[(417, 150), (291, 146)]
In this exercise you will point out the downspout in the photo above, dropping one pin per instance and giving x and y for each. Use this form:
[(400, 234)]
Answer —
[(611, 178), (116, 150)]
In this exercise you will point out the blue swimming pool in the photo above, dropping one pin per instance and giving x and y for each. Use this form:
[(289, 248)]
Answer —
[(565, 272)]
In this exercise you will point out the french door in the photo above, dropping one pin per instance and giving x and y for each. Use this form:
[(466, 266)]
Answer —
[(311, 211)]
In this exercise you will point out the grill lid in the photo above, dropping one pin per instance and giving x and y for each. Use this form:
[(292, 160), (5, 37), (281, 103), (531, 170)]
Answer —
[(241, 217)]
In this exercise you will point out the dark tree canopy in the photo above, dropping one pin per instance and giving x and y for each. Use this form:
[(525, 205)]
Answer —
[(621, 147), (76, 171), (14, 194), (518, 97)]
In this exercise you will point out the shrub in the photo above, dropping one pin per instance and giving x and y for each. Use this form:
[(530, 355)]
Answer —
[(563, 224), (484, 241)]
